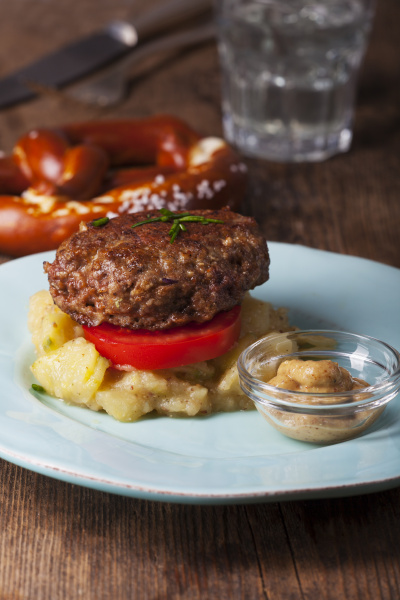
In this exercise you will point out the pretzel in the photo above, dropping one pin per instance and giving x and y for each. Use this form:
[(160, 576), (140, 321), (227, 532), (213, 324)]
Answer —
[(57, 178)]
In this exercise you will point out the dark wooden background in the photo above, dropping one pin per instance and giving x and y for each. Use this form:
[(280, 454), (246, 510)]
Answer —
[(63, 541)]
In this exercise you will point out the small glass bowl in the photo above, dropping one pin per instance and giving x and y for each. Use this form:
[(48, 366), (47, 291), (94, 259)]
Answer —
[(321, 418)]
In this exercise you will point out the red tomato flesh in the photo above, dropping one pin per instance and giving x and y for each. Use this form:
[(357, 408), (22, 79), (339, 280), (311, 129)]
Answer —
[(168, 348)]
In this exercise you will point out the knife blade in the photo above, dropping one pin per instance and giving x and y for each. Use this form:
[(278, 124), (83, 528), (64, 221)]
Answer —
[(81, 57)]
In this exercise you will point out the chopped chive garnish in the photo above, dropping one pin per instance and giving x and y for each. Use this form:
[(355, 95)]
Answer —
[(178, 220), (38, 388), (100, 222)]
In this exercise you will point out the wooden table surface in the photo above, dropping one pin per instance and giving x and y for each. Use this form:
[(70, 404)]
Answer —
[(64, 541)]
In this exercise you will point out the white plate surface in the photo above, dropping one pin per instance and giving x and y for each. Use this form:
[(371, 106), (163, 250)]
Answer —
[(224, 458)]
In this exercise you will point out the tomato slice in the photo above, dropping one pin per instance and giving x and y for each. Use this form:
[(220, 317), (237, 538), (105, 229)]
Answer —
[(168, 348)]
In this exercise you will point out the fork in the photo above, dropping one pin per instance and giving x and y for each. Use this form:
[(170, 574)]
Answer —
[(110, 87)]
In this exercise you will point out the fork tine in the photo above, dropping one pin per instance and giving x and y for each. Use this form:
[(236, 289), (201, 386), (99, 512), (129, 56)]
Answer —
[(110, 86)]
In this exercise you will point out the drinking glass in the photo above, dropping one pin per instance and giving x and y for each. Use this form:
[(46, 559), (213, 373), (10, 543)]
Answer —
[(289, 74)]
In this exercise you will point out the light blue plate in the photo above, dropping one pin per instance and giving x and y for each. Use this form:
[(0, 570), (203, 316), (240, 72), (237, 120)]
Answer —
[(224, 458)]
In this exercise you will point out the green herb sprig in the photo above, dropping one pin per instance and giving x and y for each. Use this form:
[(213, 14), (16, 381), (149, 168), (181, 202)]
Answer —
[(178, 221), (38, 388), (100, 222)]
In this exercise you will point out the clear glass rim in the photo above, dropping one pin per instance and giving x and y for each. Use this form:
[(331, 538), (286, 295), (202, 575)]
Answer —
[(266, 395)]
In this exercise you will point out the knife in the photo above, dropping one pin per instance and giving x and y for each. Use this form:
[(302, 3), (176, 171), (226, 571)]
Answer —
[(87, 54)]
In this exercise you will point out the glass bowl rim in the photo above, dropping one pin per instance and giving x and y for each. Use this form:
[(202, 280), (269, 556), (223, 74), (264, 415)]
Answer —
[(253, 387)]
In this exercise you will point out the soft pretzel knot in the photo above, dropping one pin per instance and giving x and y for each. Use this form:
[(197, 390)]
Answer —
[(57, 178)]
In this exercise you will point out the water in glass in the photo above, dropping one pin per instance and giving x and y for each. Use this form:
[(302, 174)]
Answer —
[(289, 74)]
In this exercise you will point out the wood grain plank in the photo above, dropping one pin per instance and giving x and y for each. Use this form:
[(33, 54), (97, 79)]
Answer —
[(347, 548), (96, 545)]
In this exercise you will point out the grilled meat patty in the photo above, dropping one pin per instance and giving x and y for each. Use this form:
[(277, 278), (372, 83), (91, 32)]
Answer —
[(137, 278)]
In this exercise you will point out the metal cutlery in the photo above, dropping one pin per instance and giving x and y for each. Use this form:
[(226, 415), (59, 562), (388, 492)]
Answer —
[(98, 49), (110, 86)]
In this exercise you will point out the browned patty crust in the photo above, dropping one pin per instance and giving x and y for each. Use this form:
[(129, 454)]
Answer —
[(136, 278)]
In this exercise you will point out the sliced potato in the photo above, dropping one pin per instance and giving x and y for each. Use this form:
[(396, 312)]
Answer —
[(49, 326), (260, 317), (73, 372), (128, 396)]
